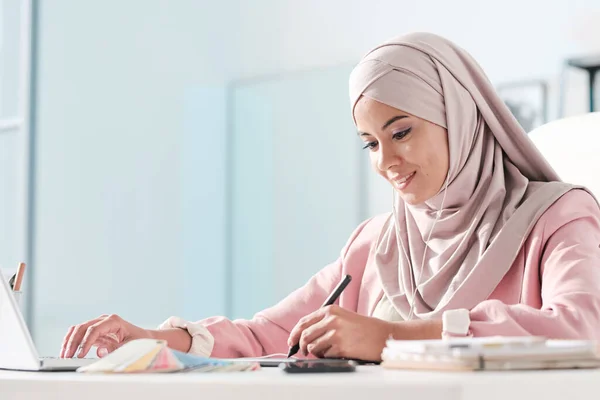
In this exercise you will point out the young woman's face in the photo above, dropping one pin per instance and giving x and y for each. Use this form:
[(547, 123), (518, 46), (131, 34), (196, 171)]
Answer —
[(409, 152)]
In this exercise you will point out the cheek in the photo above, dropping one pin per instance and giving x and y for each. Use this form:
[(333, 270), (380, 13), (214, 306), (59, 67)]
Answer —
[(437, 164), (374, 159), (443, 159), (431, 165)]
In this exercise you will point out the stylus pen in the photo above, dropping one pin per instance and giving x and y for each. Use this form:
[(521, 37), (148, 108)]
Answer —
[(330, 300)]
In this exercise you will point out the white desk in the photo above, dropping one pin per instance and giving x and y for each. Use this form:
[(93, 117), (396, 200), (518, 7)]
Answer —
[(368, 383)]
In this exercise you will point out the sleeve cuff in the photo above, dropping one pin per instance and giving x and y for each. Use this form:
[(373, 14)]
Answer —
[(455, 323), (202, 340)]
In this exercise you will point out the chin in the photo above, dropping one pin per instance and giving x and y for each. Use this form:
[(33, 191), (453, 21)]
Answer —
[(410, 198)]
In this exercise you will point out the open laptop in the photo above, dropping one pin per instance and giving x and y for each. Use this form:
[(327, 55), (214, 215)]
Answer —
[(17, 351)]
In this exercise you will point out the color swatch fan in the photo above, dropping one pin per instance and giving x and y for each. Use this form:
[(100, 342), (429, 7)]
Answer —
[(153, 356)]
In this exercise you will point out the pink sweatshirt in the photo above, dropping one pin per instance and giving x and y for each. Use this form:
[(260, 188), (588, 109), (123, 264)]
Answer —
[(552, 289)]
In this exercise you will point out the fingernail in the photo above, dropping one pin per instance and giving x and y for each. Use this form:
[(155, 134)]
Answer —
[(102, 352), (78, 352)]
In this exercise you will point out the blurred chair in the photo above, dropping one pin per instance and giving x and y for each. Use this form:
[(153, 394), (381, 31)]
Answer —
[(572, 146)]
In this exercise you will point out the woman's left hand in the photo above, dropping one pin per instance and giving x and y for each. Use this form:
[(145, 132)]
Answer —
[(334, 332)]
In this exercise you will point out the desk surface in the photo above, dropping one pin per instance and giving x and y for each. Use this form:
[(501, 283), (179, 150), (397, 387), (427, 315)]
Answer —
[(270, 383)]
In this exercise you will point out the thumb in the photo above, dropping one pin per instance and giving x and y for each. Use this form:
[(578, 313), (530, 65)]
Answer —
[(106, 348), (102, 352), (106, 345)]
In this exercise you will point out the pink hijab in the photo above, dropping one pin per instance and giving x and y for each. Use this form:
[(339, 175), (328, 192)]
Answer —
[(436, 258)]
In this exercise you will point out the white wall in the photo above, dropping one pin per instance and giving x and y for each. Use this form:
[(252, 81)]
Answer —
[(131, 132), (513, 40)]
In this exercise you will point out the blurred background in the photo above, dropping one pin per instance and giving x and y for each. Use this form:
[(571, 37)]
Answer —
[(198, 158)]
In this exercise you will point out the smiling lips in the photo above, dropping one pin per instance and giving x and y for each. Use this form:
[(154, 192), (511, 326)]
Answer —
[(402, 182)]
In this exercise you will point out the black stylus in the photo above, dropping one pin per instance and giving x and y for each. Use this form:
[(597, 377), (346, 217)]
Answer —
[(330, 300)]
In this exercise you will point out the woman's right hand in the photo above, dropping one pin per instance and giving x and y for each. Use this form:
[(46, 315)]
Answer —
[(107, 333)]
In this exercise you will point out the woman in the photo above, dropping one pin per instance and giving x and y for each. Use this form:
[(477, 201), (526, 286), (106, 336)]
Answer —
[(483, 239)]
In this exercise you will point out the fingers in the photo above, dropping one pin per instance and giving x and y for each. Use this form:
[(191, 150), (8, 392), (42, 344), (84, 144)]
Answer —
[(105, 327), (63, 347), (314, 332), (309, 320), (323, 345), (334, 351), (303, 324), (74, 335)]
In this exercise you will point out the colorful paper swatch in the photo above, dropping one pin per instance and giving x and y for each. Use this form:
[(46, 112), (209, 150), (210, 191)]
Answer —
[(153, 356)]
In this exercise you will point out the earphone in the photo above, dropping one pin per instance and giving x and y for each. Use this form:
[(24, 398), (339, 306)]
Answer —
[(413, 274)]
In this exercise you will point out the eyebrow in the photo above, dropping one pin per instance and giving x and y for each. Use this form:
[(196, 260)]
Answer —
[(390, 121)]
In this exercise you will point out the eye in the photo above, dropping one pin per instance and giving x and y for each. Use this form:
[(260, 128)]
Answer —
[(370, 145), (401, 134)]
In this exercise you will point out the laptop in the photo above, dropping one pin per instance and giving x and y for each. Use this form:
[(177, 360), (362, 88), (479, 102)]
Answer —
[(17, 351)]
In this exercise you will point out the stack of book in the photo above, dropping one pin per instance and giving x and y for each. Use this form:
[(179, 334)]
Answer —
[(490, 353)]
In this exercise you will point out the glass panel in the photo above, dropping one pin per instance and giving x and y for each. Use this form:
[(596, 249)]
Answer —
[(9, 188), (296, 183), (128, 199), (10, 56), (203, 203)]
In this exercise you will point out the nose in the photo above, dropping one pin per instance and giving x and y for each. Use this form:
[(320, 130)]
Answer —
[(387, 158)]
